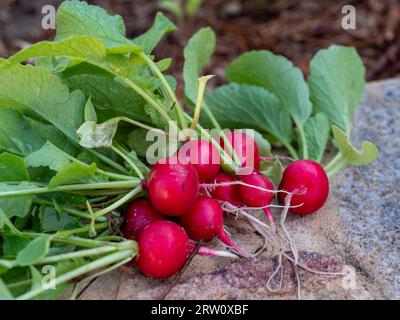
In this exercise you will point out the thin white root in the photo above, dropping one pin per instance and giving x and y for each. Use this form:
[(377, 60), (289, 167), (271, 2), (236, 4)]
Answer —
[(292, 244), (242, 254), (296, 271), (226, 184), (266, 235), (269, 237), (273, 276), (303, 266), (274, 206)]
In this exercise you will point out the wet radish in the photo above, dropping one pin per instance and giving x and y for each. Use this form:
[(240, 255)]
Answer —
[(206, 221), (225, 192), (138, 215), (245, 147), (164, 248), (173, 187), (204, 157), (308, 182), (255, 197)]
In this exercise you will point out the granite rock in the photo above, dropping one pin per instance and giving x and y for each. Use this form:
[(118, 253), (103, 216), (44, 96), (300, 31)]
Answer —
[(368, 196)]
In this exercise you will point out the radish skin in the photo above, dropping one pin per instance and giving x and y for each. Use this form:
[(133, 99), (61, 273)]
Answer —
[(308, 182), (253, 197), (225, 192), (204, 157), (173, 187), (206, 221), (245, 148), (138, 215), (164, 248)]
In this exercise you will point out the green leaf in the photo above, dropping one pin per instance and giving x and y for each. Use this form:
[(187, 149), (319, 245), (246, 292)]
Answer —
[(316, 131), (6, 265), (90, 112), (152, 37), (77, 18), (48, 156), (264, 147), (246, 106), (156, 119), (4, 292), (35, 89), (133, 156), (164, 64), (12, 168), (18, 206), (75, 173), (278, 75), (197, 54), (36, 277), (52, 221), (5, 221), (80, 47), (16, 135), (137, 141), (50, 133), (337, 84), (13, 244), (192, 7), (273, 170), (368, 153), (34, 251), (173, 7), (111, 97)]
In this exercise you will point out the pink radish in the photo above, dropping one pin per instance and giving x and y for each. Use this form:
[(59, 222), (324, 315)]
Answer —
[(308, 182), (225, 192), (254, 197), (138, 215), (206, 221), (245, 148), (173, 187), (164, 248), (204, 157)]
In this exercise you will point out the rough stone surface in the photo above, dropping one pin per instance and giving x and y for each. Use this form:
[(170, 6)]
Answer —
[(356, 233), (368, 197)]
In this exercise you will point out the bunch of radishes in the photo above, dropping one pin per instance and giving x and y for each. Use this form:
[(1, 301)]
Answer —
[(185, 193)]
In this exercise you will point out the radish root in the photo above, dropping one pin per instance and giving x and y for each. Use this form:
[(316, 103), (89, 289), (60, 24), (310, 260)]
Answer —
[(279, 241)]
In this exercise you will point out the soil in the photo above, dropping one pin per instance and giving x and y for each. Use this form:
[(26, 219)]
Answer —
[(296, 29)]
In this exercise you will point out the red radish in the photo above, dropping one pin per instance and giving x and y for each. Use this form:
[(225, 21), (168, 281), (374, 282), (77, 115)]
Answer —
[(204, 157), (173, 187), (254, 197), (245, 148), (228, 192), (308, 182), (138, 215), (164, 247), (206, 221)]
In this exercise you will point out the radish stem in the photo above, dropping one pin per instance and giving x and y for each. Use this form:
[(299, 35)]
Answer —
[(117, 150), (74, 187), (102, 262), (108, 161), (120, 202), (153, 67)]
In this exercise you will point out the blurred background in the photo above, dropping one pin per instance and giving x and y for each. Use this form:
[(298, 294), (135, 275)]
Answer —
[(296, 29)]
